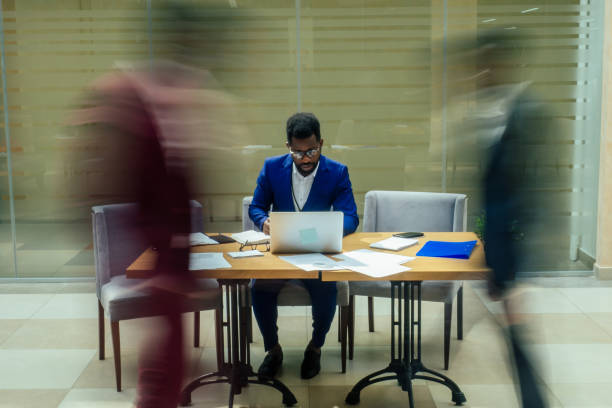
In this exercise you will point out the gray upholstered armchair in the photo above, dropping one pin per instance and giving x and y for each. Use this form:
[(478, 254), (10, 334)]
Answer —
[(117, 243), (396, 211), (294, 293)]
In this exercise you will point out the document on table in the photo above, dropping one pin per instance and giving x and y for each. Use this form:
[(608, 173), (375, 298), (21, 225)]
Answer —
[(368, 257), (312, 262), (245, 254), (372, 263), (207, 260), (252, 237), (395, 243), (199, 238)]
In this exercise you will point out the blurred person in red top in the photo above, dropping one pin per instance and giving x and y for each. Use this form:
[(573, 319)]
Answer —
[(150, 126)]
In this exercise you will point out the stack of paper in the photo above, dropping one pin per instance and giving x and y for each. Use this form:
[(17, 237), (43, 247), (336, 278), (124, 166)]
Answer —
[(207, 260), (245, 254), (199, 238), (313, 262), (395, 243), (251, 237), (372, 263)]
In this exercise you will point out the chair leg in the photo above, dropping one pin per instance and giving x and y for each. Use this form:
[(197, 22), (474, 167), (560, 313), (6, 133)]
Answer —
[(117, 353), (250, 325), (448, 314), (351, 327), (219, 338), (460, 313), (344, 316), (196, 329), (339, 324), (371, 313), (101, 331)]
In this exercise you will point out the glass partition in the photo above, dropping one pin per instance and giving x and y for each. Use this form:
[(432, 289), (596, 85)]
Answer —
[(377, 74)]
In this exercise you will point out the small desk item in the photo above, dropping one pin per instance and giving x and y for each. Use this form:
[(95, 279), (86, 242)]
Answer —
[(251, 237), (207, 260), (443, 249), (245, 254), (394, 243), (222, 239), (199, 238)]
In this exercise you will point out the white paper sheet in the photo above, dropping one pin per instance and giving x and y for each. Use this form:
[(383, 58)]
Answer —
[(395, 243), (312, 262), (245, 254), (207, 260), (251, 236), (378, 270), (199, 238), (367, 257)]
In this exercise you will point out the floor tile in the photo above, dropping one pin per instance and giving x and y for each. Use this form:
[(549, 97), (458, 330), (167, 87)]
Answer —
[(22, 306), (389, 395), (54, 334), (573, 363), (69, 306), (487, 396), (101, 373), (8, 327), (31, 398), (533, 300), (255, 395), (99, 398), (564, 328), (604, 320), (583, 395), (478, 396), (37, 369), (590, 300)]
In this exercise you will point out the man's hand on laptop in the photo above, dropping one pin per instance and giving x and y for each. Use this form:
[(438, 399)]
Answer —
[(266, 226)]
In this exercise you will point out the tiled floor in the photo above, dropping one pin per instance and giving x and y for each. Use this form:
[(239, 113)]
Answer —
[(49, 358)]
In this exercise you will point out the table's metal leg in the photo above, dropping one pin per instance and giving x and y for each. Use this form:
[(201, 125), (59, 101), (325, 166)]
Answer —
[(405, 347), (398, 366), (238, 369), (416, 364)]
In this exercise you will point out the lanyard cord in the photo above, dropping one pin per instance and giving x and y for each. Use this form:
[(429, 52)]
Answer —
[(295, 199)]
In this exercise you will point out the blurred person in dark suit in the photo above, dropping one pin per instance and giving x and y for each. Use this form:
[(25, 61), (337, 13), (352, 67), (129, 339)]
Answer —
[(514, 126)]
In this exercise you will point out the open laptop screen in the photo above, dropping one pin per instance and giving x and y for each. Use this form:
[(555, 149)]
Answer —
[(299, 232)]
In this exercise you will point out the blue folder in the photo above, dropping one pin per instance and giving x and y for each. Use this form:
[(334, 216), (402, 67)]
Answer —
[(442, 249)]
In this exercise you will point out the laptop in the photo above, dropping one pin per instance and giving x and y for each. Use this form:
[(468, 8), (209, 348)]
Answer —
[(298, 232)]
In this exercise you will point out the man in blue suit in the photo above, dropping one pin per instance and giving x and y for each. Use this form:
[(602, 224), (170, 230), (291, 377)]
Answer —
[(303, 180)]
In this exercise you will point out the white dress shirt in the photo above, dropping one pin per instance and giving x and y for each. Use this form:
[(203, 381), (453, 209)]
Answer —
[(301, 186)]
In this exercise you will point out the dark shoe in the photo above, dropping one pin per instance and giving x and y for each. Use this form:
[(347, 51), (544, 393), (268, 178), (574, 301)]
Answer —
[(311, 364), (271, 364)]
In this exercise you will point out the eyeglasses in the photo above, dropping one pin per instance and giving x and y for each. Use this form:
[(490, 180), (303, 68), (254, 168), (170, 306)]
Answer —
[(247, 244), (310, 153)]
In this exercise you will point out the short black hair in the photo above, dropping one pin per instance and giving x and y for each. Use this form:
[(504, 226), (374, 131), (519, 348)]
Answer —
[(302, 125)]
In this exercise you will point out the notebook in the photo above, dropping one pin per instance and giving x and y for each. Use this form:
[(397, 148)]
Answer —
[(394, 243), (442, 249)]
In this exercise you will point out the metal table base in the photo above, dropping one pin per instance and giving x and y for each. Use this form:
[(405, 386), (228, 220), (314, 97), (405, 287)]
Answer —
[(237, 371), (405, 362)]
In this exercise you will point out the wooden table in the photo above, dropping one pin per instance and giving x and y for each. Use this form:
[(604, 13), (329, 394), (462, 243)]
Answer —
[(406, 363), (405, 300)]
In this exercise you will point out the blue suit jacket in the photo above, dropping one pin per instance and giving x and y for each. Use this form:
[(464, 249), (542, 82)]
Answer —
[(330, 188)]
